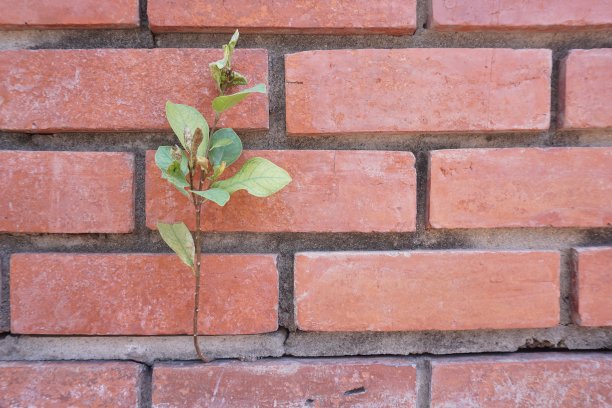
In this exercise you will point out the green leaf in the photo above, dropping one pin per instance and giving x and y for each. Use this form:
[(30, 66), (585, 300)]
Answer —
[(183, 117), (238, 79), (178, 237), (229, 153), (175, 175), (258, 176), (221, 143), (224, 102), (216, 73), (172, 170), (216, 195)]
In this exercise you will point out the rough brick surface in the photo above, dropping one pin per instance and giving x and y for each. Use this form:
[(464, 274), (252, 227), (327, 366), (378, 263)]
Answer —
[(552, 380), (66, 192), (520, 187), (118, 90), (331, 191), (509, 15), (86, 384), (28, 14), (285, 16), (585, 89), (287, 383), (432, 290), (141, 294), (593, 286), (417, 90)]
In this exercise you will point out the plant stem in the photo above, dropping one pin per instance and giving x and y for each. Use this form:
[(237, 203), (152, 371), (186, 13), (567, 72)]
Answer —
[(196, 295)]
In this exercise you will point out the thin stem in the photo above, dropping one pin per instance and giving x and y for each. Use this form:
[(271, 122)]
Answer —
[(196, 296)]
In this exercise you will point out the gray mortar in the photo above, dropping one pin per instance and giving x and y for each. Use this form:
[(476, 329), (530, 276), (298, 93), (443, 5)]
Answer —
[(148, 349)]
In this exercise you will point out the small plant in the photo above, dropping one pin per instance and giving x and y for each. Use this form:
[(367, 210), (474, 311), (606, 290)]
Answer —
[(195, 167)]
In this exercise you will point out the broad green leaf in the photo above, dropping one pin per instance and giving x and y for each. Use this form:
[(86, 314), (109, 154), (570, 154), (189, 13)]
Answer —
[(221, 143), (258, 176), (175, 176), (216, 195), (178, 237), (163, 159), (224, 102), (183, 117), (229, 153)]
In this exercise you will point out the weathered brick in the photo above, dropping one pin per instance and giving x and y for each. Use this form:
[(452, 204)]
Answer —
[(378, 91), (285, 16), (585, 88), (141, 294), (426, 290), (70, 384), (29, 14), (119, 90), (331, 191), (520, 187), (511, 15), (536, 380), (66, 192), (380, 382), (592, 286)]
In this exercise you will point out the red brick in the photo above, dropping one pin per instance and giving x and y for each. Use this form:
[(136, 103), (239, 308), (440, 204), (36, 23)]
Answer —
[(331, 191), (285, 16), (489, 188), (66, 192), (513, 15), (141, 294), (540, 380), (28, 14), (593, 286), (417, 90), (585, 89), (70, 384), (380, 382), (426, 290), (118, 90)]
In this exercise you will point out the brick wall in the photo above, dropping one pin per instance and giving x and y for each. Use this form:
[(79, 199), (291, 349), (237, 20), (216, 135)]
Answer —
[(452, 194)]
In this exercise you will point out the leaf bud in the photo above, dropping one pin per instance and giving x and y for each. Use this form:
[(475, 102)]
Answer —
[(177, 154), (202, 162)]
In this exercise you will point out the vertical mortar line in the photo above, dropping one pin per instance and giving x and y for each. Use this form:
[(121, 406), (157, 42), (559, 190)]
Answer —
[(423, 399), (286, 312), (565, 287), (557, 56), (423, 11), (5, 307), (140, 227), (142, 13), (145, 387), (277, 134), (422, 190)]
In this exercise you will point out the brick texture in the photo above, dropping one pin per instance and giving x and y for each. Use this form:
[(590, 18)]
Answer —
[(417, 90), (66, 192), (593, 286), (287, 383), (520, 187), (141, 294), (70, 384), (552, 380), (285, 16), (431, 290), (28, 14), (585, 89), (510, 15), (118, 90), (331, 191)]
